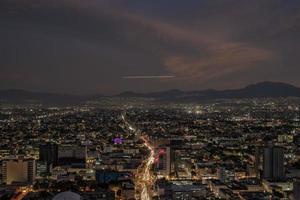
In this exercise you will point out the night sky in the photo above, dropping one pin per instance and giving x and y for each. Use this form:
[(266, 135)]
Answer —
[(110, 46)]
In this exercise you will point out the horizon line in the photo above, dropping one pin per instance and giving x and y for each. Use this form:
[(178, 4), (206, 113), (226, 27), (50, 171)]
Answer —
[(160, 90)]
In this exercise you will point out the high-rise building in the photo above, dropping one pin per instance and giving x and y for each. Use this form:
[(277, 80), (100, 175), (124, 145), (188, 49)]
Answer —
[(273, 163), (176, 146), (163, 162), (49, 155), (258, 161), (18, 170)]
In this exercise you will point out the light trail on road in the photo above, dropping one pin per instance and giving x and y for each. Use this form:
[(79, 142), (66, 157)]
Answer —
[(144, 179), (147, 177)]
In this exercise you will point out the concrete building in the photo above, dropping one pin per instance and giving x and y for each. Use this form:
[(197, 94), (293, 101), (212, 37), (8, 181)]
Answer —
[(185, 192), (72, 155), (225, 175), (18, 170), (273, 163), (48, 153), (163, 161)]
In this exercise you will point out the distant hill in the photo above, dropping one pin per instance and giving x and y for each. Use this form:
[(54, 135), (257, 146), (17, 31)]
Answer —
[(258, 90)]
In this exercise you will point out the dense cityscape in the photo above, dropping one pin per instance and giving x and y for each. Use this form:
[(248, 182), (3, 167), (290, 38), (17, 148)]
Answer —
[(225, 149), (149, 100)]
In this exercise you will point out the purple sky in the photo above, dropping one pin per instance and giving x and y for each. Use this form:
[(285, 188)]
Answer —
[(84, 47)]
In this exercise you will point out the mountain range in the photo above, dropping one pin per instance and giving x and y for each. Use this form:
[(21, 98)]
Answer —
[(258, 90)]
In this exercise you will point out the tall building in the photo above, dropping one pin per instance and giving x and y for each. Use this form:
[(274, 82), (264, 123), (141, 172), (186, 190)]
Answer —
[(258, 161), (163, 156), (176, 146), (163, 162), (18, 170), (273, 163), (48, 154)]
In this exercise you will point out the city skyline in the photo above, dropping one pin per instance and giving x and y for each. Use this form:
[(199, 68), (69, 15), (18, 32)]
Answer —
[(149, 100)]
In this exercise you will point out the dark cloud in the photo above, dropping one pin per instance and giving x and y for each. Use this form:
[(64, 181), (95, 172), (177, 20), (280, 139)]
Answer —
[(88, 46)]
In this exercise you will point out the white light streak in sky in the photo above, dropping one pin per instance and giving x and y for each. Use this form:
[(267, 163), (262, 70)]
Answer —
[(148, 77)]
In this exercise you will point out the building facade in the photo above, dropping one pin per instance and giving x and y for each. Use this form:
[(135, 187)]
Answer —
[(18, 170), (273, 163)]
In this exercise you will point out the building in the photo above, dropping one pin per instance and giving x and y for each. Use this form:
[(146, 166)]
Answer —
[(285, 138), (185, 191), (72, 155), (296, 191), (42, 168), (98, 195), (48, 153), (258, 161), (225, 175), (273, 163), (18, 170), (108, 176), (163, 161), (128, 191), (176, 146)]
